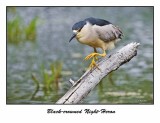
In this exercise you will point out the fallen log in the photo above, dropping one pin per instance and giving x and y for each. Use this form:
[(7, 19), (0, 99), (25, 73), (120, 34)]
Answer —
[(91, 78)]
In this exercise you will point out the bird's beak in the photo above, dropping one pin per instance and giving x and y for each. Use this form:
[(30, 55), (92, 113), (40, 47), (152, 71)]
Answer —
[(73, 36)]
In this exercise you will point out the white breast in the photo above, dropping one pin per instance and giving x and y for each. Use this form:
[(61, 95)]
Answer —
[(87, 35)]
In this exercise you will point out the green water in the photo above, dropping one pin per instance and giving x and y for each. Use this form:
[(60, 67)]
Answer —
[(132, 83)]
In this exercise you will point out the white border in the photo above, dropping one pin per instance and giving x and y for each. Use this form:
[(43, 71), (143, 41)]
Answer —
[(38, 113)]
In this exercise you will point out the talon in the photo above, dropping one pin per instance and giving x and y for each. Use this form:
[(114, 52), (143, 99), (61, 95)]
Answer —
[(90, 56), (94, 55), (93, 64), (96, 58)]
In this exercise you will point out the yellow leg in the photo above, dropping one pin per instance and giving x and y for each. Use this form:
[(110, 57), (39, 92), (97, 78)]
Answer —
[(95, 54), (95, 50), (93, 64)]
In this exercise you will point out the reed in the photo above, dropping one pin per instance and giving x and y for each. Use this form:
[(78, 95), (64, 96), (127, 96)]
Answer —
[(50, 79), (18, 32)]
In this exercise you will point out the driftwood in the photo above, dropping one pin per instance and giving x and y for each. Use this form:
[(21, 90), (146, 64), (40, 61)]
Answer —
[(91, 78)]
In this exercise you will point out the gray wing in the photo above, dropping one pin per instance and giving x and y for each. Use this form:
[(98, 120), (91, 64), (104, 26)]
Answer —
[(108, 32)]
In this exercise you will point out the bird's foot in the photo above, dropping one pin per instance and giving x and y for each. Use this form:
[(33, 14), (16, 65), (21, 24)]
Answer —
[(90, 56), (93, 64), (96, 58), (94, 55)]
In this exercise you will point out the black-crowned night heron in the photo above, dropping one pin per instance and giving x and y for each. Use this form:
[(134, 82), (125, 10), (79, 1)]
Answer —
[(97, 33)]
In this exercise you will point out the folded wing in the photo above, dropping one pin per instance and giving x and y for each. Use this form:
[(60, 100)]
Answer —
[(108, 32)]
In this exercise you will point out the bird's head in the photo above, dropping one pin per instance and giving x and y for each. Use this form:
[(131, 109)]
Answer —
[(77, 28)]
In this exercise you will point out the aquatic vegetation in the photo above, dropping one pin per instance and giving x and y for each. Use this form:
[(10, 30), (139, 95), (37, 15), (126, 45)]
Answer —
[(15, 31), (30, 30), (37, 85), (18, 32), (50, 79)]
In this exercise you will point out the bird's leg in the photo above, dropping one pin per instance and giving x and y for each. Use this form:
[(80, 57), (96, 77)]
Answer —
[(95, 54), (93, 64), (95, 50)]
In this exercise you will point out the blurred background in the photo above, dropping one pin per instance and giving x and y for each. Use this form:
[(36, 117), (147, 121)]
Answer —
[(40, 60)]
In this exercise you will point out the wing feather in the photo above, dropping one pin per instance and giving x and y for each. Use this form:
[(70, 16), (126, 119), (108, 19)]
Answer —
[(108, 33)]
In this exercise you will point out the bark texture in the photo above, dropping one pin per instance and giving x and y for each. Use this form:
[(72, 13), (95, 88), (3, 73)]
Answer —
[(91, 78)]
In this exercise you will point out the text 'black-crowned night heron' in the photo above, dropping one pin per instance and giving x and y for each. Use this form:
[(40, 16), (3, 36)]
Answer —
[(97, 33)]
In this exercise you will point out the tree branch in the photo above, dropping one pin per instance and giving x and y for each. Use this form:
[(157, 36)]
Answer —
[(91, 78)]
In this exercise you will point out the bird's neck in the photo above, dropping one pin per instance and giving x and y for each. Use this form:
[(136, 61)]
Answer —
[(86, 33)]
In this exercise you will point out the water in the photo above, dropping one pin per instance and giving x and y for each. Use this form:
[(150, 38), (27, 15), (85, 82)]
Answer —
[(132, 83)]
